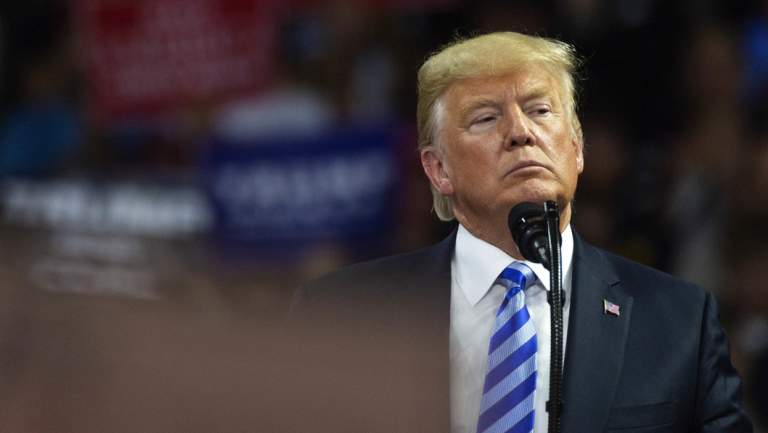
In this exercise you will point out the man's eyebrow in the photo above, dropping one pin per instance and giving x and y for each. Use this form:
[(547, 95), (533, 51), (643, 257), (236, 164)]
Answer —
[(538, 92)]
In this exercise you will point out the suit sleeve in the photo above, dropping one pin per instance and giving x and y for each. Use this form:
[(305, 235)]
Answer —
[(719, 401)]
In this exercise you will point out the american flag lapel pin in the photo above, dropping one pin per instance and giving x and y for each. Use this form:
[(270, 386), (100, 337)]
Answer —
[(611, 308)]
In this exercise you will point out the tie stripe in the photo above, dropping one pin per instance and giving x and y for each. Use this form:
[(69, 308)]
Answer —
[(511, 344), (510, 422), (510, 381), (500, 411), (495, 376), (504, 315)]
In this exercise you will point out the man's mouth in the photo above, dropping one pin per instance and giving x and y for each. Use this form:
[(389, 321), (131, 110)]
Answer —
[(530, 164)]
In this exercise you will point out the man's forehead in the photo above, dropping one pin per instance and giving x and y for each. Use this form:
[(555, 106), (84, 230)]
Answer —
[(528, 83)]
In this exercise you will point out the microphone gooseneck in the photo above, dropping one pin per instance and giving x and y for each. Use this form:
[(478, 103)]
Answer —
[(556, 299), (536, 231)]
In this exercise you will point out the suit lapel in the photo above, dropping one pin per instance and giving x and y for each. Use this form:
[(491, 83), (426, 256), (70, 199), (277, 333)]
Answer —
[(596, 341)]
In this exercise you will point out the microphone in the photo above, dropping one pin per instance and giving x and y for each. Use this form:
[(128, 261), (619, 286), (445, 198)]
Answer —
[(536, 231), (528, 225)]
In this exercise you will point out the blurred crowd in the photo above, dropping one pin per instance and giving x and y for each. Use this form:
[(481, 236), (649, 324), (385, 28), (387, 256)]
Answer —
[(223, 199)]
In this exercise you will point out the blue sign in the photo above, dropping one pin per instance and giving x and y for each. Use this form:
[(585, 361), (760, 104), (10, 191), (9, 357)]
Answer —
[(335, 186)]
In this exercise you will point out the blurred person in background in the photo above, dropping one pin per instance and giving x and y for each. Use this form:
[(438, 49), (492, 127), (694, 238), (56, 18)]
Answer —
[(745, 302), (295, 97), (41, 127), (497, 127), (702, 173)]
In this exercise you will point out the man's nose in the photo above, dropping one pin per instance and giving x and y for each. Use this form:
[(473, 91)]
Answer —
[(519, 131)]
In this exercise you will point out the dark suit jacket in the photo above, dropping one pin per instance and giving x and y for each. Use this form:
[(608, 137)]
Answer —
[(663, 365)]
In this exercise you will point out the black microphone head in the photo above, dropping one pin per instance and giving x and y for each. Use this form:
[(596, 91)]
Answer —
[(524, 211), (527, 225)]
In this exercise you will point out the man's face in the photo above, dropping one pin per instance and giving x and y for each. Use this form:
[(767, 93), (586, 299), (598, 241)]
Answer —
[(501, 141)]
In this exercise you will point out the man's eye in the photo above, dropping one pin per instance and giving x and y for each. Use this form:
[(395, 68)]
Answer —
[(541, 110), (483, 123), (485, 119)]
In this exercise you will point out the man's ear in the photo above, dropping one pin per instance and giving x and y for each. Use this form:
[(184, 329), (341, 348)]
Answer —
[(577, 140), (435, 169), (578, 143)]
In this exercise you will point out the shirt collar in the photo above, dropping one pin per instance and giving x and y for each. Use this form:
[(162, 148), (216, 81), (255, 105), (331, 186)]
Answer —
[(478, 263)]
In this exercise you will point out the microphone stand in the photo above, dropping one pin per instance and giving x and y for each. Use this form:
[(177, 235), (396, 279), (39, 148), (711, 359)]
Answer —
[(556, 300)]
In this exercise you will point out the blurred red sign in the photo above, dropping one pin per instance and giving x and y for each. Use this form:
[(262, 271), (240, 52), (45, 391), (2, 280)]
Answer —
[(149, 56)]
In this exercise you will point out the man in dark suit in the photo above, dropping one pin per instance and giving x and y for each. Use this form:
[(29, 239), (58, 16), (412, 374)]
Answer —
[(644, 352)]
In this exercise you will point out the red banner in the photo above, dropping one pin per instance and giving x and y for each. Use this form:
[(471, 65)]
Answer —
[(149, 56)]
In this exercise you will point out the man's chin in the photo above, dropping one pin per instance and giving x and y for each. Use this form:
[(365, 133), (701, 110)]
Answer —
[(535, 195)]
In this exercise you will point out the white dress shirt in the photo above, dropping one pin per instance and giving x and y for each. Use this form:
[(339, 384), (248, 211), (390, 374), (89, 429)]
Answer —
[(475, 298)]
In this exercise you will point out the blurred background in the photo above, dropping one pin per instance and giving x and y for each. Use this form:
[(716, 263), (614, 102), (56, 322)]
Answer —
[(170, 170)]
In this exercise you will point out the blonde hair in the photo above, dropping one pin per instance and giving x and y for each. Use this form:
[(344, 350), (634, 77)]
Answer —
[(488, 55)]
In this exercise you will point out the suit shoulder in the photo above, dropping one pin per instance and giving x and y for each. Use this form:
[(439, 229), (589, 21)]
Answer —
[(384, 266), (397, 272), (642, 278)]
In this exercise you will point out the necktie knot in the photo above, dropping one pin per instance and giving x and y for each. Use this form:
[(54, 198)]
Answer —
[(517, 276)]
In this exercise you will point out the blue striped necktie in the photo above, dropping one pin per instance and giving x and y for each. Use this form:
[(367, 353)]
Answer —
[(510, 380)]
